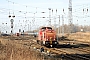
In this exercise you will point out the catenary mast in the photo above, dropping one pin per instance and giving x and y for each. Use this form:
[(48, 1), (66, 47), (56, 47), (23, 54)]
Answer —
[(70, 16)]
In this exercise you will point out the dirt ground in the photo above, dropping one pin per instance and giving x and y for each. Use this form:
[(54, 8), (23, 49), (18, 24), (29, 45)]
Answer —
[(12, 51), (79, 36)]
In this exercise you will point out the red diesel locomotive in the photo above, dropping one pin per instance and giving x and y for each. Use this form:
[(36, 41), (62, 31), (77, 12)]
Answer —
[(47, 37)]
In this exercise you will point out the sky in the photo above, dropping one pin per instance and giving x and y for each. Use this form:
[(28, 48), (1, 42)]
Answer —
[(30, 11)]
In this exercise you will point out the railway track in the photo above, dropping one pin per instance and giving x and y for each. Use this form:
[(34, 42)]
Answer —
[(82, 49), (77, 57), (73, 42), (62, 53), (69, 55)]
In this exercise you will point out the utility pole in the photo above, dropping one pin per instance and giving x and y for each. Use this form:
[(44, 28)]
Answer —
[(55, 17), (55, 23), (30, 26), (49, 16), (62, 26), (70, 16), (59, 26)]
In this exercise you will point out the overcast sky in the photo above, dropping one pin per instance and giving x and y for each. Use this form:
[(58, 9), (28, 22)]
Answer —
[(20, 7)]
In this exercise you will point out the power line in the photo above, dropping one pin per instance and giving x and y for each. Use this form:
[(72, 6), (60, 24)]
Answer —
[(26, 5)]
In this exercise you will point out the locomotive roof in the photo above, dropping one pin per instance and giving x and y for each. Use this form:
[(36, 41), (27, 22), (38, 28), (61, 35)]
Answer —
[(46, 27)]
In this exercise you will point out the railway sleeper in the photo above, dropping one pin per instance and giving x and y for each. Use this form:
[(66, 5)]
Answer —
[(86, 55), (69, 57), (83, 57), (84, 50), (79, 57)]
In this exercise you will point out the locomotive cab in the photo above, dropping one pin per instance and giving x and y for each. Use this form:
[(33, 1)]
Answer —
[(47, 37)]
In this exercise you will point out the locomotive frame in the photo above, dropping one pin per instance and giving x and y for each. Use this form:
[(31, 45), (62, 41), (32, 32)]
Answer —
[(47, 37)]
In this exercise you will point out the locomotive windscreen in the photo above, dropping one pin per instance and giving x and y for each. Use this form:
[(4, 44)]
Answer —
[(46, 27)]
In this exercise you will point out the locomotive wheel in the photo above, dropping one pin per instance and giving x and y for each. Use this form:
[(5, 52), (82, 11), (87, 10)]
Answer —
[(53, 45), (37, 42), (41, 43)]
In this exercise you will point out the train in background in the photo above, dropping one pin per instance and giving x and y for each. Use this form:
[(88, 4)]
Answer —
[(47, 37)]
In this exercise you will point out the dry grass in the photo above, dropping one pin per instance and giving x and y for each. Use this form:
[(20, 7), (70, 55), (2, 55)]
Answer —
[(80, 36), (11, 51)]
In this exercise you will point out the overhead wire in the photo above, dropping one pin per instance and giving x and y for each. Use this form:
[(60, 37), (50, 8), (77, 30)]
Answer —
[(26, 5), (78, 9)]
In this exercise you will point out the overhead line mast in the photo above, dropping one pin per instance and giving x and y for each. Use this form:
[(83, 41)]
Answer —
[(70, 16), (49, 16)]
